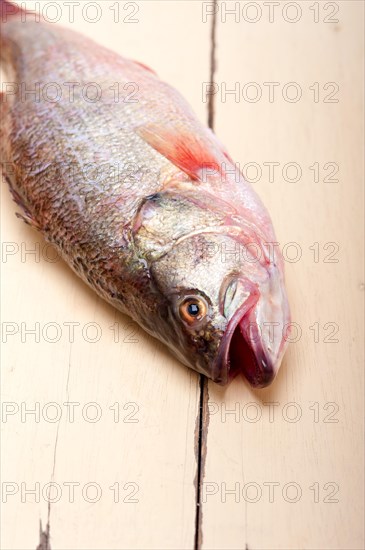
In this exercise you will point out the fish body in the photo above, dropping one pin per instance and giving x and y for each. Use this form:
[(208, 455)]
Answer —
[(141, 200)]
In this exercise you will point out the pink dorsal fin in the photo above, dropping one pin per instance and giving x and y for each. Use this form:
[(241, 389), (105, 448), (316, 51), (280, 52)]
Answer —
[(185, 151), (144, 66)]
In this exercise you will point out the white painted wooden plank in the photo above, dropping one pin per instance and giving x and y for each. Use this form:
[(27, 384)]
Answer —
[(311, 450), (151, 445)]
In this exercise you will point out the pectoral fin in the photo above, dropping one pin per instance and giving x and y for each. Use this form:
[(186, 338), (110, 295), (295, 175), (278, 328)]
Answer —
[(189, 153)]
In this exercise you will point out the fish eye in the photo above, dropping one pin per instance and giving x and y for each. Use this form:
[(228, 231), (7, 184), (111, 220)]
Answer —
[(193, 309)]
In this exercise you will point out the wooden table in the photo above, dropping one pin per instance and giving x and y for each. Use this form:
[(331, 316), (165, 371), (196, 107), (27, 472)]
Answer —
[(119, 428)]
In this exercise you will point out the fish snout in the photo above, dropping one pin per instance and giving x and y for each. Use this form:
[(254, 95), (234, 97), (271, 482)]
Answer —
[(255, 339)]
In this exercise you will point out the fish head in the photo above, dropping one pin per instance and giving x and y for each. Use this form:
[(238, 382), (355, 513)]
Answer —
[(225, 311), (224, 318)]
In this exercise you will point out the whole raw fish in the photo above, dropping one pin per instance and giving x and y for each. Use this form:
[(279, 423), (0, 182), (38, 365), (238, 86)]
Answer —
[(142, 201)]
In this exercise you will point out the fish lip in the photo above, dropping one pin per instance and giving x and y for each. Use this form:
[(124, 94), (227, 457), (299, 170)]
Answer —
[(260, 371), (221, 365)]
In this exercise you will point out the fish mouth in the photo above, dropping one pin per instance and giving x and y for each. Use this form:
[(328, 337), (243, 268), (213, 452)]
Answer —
[(243, 349), (246, 355)]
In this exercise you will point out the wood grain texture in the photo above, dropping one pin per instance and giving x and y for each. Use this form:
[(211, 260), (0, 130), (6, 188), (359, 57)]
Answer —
[(257, 448)]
